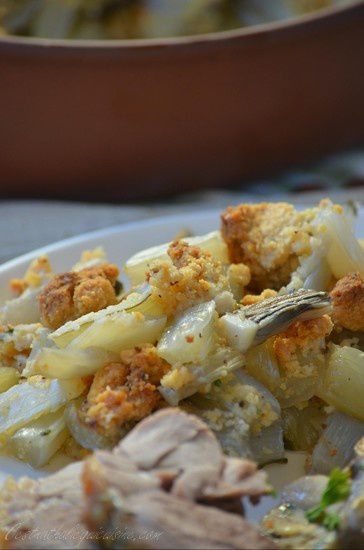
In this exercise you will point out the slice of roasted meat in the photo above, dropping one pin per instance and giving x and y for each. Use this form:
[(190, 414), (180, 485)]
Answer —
[(44, 514), (166, 485)]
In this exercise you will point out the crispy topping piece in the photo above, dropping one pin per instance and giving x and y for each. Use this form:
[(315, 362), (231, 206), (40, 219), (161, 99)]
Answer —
[(125, 392), (264, 237), (348, 302), (73, 294)]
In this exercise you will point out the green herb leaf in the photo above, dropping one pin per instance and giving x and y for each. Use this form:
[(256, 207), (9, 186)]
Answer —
[(337, 489), (331, 521), (218, 383), (314, 514)]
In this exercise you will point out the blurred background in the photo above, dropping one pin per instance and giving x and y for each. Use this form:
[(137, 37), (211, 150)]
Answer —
[(118, 110)]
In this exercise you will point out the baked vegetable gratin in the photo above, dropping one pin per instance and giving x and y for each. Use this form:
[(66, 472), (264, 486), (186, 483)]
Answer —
[(257, 329)]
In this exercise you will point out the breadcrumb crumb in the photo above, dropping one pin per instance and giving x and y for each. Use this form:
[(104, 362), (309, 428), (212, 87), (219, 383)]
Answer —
[(268, 238), (15, 344), (251, 299), (125, 392), (90, 258), (239, 278), (73, 294), (39, 269), (347, 298), (194, 276), (300, 347)]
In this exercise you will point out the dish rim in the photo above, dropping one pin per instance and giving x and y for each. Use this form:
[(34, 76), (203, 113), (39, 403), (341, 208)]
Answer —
[(56, 246), (162, 220), (324, 16)]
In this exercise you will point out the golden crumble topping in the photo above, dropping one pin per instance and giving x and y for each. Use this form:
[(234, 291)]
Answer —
[(73, 294), (347, 299), (125, 392)]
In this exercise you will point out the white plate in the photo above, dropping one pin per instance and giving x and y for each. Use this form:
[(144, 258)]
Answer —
[(120, 243)]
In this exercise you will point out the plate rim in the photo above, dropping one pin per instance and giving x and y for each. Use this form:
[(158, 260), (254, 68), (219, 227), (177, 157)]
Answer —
[(164, 219), (105, 232)]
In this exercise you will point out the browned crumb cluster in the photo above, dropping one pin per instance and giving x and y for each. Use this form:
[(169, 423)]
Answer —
[(347, 299), (73, 294), (125, 392), (302, 344), (38, 269), (262, 236), (193, 276), (250, 299)]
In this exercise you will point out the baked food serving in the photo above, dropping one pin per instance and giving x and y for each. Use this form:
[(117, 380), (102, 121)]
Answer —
[(256, 329)]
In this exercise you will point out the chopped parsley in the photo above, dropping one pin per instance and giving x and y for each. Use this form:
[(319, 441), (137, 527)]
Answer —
[(337, 489), (218, 383)]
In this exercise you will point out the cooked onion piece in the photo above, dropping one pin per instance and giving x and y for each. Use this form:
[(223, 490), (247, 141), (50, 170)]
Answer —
[(261, 363), (24, 309), (335, 448), (335, 251), (238, 331), (70, 330), (190, 337), (84, 434), (8, 378), (137, 266), (186, 380), (38, 442), (244, 416), (119, 332), (267, 446), (343, 382), (69, 363), (28, 401), (303, 425), (344, 253)]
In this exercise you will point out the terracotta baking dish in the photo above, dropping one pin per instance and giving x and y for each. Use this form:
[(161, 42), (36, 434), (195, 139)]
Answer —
[(135, 119)]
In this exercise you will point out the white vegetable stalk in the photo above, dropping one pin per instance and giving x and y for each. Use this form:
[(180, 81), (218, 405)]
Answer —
[(238, 331), (137, 266), (8, 378), (261, 363), (122, 331), (335, 252), (28, 401), (186, 380), (244, 378), (65, 334), (24, 309), (343, 382), (314, 272), (335, 448), (37, 443), (87, 436), (267, 446), (189, 339), (344, 254), (69, 363)]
